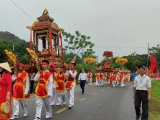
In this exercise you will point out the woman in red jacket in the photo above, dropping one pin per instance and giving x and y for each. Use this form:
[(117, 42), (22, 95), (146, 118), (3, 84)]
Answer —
[(5, 89)]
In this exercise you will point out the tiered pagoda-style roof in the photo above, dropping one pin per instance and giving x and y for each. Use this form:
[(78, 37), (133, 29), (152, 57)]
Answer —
[(46, 31)]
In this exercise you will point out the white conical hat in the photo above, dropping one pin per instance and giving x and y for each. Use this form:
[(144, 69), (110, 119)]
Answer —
[(5, 66)]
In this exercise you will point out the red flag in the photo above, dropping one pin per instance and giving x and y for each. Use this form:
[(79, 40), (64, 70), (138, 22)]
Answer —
[(153, 63)]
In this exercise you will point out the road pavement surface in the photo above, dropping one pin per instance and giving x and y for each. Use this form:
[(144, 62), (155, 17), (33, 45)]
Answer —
[(97, 103)]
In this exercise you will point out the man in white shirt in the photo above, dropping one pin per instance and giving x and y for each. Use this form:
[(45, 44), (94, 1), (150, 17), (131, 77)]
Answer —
[(82, 78), (142, 93)]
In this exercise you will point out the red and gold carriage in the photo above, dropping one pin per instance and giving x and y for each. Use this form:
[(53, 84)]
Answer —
[(47, 41)]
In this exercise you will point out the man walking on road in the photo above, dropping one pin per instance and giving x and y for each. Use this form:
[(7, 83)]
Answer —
[(43, 90), (142, 93), (82, 78), (20, 90)]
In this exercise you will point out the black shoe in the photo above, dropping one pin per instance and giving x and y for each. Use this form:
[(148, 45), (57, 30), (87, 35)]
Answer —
[(137, 118), (69, 108), (82, 92)]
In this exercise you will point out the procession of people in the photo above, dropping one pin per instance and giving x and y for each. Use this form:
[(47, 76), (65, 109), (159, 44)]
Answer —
[(53, 86)]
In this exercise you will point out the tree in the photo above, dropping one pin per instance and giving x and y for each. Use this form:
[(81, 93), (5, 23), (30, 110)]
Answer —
[(156, 52), (69, 57), (134, 60), (78, 44), (12, 43)]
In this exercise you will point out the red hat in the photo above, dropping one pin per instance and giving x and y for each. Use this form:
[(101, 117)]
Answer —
[(72, 64), (21, 64), (45, 62)]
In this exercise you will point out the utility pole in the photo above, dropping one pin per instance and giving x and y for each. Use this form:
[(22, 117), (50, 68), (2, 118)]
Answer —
[(13, 46), (148, 55)]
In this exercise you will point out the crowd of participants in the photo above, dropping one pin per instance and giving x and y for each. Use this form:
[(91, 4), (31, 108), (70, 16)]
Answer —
[(53, 86), (115, 78)]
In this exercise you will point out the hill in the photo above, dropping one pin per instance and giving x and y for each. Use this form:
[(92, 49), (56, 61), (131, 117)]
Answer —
[(13, 43), (8, 36)]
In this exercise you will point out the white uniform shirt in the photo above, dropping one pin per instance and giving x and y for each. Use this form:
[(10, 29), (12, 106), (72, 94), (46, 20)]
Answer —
[(67, 74), (142, 82), (49, 85), (32, 76), (73, 74), (82, 76)]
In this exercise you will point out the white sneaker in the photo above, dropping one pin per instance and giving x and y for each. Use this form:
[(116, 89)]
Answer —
[(48, 117), (52, 103), (64, 103), (58, 104), (13, 117), (37, 118), (25, 114)]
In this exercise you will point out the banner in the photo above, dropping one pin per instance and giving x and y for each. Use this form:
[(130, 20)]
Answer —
[(153, 63)]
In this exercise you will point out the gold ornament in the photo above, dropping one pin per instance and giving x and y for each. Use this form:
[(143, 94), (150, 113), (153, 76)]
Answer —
[(34, 58), (11, 57)]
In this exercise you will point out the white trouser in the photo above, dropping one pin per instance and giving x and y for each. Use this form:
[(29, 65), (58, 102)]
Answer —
[(52, 99), (96, 82), (122, 84), (15, 106), (39, 104), (100, 82), (114, 83), (71, 95), (117, 82), (109, 81), (61, 97), (90, 81)]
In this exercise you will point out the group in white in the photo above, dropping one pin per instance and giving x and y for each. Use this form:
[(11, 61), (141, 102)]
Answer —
[(46, 90), (52, 88), (115, 78)]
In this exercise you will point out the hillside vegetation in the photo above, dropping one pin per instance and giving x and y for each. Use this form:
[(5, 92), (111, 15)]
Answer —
[(13, 43)]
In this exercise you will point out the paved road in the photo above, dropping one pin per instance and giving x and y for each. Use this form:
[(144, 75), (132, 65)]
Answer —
[(97, 103)]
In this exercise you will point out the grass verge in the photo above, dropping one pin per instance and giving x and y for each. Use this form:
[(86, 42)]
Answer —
[(154, 104)]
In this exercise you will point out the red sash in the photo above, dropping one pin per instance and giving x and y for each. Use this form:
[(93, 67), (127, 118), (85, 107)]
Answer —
[(41, 90), (101, 76), (121, 77), (97, 77), (69, 85), (19, 86), (60, 82), (113, 78), (70, 80), (89, 75)]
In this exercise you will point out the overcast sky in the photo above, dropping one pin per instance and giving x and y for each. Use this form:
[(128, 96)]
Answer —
[(120, 26)]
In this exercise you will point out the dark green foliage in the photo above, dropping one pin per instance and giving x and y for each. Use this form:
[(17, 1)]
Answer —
[(156, 52), (12, 43)]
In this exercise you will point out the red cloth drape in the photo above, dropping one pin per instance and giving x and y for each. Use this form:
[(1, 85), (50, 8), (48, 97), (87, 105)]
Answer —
[(153, 63)]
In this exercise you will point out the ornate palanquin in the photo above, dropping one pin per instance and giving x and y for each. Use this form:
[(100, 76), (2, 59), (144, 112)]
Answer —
[(107, 66), (47, 40)]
